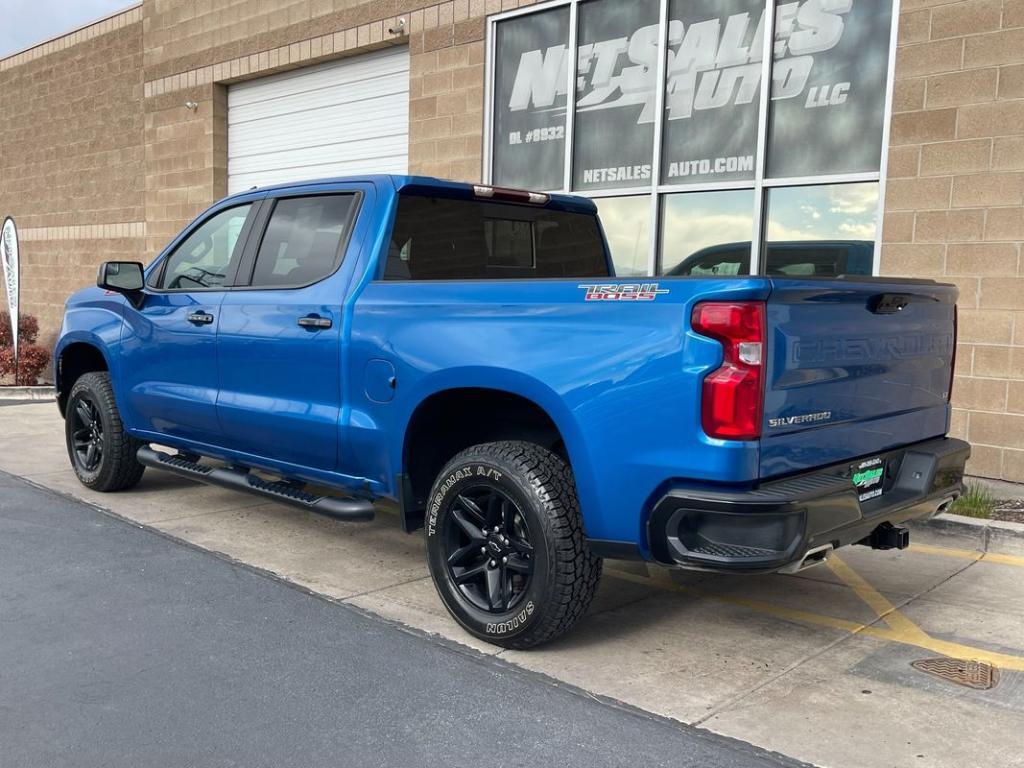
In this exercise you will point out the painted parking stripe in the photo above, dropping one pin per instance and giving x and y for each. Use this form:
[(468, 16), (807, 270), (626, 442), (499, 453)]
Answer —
[(969, 554), (898, 629)]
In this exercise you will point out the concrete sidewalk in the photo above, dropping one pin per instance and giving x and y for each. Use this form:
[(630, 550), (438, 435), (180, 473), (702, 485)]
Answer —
[(816, 665)]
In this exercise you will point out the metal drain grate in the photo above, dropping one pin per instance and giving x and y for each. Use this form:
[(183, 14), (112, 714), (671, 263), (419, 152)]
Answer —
[(979, 675)]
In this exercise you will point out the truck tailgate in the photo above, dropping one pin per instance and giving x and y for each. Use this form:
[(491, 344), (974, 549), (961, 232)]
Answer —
[(854, 367)]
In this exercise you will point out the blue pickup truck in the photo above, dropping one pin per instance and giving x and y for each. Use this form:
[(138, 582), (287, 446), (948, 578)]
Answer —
[(465, 355)]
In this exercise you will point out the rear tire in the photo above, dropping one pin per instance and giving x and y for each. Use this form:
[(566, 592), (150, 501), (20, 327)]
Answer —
[(505, 544), (101, 452)]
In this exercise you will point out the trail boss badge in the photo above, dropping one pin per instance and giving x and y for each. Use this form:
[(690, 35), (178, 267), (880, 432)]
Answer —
[(623, 292)]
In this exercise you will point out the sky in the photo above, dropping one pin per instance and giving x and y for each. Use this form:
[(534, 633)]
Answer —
[(27, 22)]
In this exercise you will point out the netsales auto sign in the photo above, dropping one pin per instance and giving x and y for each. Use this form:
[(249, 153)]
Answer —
[(711, 64), (829, 56)]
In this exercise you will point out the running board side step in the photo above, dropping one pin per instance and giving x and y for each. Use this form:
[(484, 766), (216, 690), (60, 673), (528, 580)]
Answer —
[(348, 510)]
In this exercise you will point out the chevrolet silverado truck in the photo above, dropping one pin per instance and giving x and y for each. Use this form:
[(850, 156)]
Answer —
[(463, 355)]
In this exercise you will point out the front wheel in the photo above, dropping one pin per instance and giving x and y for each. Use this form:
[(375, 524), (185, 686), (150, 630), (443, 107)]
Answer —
[(505, 544), (101, 452)]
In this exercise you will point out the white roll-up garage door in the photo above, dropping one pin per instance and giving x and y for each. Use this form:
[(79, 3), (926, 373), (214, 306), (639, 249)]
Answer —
[(345, 117)]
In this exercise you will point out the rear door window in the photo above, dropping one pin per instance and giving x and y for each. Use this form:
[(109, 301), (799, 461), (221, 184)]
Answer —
[(303, 240), (436, 238)]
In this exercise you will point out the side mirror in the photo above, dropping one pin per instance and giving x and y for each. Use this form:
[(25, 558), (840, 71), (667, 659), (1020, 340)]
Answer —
[(124, 277)]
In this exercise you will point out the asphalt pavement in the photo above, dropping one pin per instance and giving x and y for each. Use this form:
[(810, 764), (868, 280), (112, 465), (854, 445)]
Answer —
[(122, 647)]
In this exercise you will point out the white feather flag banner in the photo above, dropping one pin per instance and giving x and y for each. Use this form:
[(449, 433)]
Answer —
[(9, 256)]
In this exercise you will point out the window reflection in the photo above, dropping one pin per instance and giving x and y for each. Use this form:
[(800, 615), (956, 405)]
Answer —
[(627, 226), (707, 233), (530, 100), (828, 88), (821, 230), (713, 74)]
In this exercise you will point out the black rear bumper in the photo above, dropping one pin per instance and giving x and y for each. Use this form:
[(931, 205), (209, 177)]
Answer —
[(775, 525)]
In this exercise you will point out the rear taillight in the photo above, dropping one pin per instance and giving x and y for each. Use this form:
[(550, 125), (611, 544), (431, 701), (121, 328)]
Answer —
[(732, 398), (952, 362)]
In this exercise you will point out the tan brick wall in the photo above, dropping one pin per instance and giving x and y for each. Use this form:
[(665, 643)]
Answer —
[(186, 159), (71, 159), (192, 49), (953, 205), (446, 112)]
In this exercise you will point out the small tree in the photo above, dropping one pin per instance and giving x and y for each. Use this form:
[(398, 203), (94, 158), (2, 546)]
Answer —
[(32, 359)]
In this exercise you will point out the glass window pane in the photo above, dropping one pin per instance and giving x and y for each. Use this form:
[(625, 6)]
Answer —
[(711, 98), (302, 240), (821, 230), (530, 81), (616, 70), (828, 87), (438, 238), (627, 227), (707, 233), (204, 257)]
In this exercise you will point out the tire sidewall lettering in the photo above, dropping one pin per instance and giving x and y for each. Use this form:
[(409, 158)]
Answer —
[(467, 472), (517, 621)]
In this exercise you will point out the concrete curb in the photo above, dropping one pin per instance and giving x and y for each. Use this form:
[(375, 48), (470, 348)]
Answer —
[(27, 393), (948, 530)]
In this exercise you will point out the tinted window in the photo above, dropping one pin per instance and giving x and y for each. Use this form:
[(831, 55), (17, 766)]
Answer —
[(707, 233), (627, 228), (204, 258), (445, 239), (529, 120), (302, 242)]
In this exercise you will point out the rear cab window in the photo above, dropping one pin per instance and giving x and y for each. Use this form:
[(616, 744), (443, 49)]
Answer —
[(302, 242), (439, 238)]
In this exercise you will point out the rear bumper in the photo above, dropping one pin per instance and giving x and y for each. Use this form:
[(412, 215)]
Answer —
[(774, 526)]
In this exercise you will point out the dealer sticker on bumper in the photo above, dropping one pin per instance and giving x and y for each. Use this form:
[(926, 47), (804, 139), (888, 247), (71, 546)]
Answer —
[(867, 478)]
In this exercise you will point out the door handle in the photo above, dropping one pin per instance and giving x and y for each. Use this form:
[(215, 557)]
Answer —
[(200, 318), (315, 322)]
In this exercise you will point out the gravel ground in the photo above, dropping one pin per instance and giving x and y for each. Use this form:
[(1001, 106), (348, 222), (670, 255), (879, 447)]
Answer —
[(1011, 510)]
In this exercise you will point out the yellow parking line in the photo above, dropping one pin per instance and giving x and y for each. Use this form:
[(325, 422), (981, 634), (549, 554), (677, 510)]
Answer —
[(907, 632), (899, 628), (776, 610), (875, 600), (969, 554)]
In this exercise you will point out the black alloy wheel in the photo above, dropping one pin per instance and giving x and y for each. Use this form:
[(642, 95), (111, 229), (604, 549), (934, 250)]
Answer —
[(487, 548), (86, 434), (505, 544), (101, 452)]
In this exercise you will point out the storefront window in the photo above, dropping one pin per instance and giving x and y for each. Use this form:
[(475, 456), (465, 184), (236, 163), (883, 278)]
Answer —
[(821, 230), (828, 87), (707, 233), (672, 112), (530, 83), (713, 71), (627, 227), (615, 76)]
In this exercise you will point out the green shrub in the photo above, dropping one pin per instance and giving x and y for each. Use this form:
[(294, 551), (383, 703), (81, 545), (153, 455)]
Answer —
[(977, 501)]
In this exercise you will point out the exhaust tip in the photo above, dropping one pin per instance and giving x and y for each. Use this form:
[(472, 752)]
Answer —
[(812, 557)]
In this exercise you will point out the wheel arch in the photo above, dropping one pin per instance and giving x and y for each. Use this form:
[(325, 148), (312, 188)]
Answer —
[(74, 359), (452, 418)]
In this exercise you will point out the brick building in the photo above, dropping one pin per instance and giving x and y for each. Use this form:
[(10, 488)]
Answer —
[(893, 148)]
